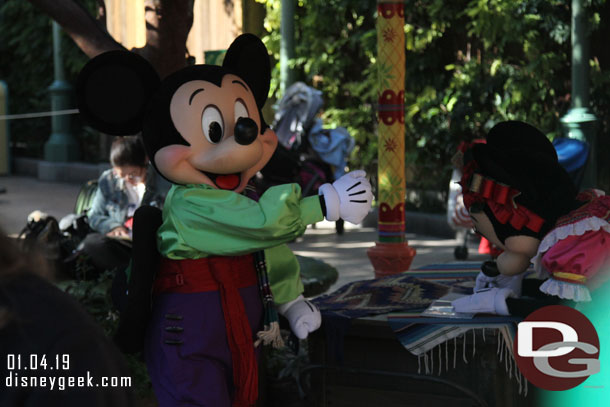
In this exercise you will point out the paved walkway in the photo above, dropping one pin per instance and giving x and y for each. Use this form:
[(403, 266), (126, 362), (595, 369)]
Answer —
[(345, 252)]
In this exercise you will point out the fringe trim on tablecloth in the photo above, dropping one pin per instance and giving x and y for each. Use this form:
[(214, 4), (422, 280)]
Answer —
[(504, 352)]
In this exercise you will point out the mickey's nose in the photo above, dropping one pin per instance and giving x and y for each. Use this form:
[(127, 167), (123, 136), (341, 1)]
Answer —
[(246, 131)]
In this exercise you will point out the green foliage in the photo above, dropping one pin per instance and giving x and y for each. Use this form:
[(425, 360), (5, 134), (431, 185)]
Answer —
[(26, 65), (335, 48), (285, 363), (469, 64), (94, 295)]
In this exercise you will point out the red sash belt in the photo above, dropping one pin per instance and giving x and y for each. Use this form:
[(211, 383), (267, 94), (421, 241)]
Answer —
[(226, 275), (199, 275)]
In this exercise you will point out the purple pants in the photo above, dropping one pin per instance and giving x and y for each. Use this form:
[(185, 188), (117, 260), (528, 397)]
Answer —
[(187, 353)]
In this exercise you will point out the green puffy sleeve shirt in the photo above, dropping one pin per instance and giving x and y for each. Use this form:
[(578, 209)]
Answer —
[(284, 274), (200, 221)]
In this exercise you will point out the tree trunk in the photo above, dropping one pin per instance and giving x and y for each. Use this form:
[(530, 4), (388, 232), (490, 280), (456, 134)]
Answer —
[(168, 23)]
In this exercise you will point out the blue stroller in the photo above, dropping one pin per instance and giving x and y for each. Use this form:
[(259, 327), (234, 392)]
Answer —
[(307, 154), (573, 155)]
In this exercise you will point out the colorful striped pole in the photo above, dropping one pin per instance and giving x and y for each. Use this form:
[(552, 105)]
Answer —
[(391, 254)]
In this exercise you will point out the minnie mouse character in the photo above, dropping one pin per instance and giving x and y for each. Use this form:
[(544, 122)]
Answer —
[(522, 200), (204, 131)]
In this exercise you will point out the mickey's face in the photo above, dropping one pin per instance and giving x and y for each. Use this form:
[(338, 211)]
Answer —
[(221, 125), (200, 125)]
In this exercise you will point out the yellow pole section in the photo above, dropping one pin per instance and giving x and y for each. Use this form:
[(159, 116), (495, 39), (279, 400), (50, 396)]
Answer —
[(391, 254), (391, 121)]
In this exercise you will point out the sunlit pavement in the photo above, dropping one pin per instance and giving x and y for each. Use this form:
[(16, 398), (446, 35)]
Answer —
[(347, 252)]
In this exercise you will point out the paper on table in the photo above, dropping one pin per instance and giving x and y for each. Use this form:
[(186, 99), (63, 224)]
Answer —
[(442, 308)]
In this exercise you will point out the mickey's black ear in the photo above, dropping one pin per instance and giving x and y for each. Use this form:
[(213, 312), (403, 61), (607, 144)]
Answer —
[(113, 90), (247, 58)]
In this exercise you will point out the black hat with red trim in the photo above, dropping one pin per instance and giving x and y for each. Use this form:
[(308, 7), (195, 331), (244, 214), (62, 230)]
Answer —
[(517, 175)]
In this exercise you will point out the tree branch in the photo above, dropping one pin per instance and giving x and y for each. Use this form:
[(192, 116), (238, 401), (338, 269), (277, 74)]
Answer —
[(79, 25), (168, 23)]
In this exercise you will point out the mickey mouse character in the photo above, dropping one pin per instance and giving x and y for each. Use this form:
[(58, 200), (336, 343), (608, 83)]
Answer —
[(204, 130), (522, 200)]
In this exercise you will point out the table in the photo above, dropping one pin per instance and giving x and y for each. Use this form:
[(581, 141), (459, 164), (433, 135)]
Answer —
[(359, 360), (376, 370)]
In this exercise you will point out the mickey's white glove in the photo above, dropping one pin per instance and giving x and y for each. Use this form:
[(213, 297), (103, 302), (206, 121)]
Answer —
[(349, 197), (304, 317), (488, 301)]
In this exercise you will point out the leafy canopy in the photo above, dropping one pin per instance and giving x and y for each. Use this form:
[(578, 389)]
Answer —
[(469, 64)]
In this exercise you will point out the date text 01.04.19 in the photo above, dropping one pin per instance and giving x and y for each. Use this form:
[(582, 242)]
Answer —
[(18, 362)]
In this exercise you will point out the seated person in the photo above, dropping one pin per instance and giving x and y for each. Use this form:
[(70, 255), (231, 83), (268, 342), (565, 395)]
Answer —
[(122, 189), (130, 183)]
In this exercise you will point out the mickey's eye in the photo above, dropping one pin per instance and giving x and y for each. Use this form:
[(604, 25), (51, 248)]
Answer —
[(240, 110), (212, 124)]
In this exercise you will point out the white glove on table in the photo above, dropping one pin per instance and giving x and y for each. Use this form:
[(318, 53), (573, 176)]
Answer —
[(488, 301), (304, 316), (348, 198), (500, 281)]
